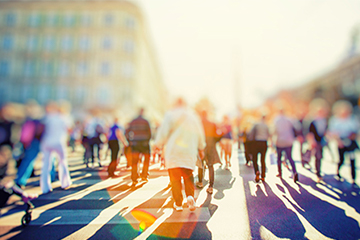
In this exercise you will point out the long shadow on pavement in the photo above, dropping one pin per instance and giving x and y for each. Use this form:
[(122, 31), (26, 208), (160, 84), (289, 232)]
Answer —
[(328, 219), (51, 231), (266, 210)]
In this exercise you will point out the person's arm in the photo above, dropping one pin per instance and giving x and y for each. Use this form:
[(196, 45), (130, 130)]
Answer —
[(201, 137), (121, 137), (162, 133)]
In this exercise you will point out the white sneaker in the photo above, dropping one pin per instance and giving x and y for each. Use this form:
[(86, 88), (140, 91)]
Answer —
[(178, 208), (191, 203)]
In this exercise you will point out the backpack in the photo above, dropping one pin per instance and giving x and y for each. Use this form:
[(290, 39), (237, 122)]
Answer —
[(27, 133)]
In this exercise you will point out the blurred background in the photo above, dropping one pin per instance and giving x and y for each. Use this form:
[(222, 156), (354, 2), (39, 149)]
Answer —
[(230, 56)]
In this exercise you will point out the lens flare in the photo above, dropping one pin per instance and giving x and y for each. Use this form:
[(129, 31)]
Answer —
[(146, 219)]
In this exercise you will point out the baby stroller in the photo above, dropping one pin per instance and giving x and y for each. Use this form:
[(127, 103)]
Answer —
[(6, 192)]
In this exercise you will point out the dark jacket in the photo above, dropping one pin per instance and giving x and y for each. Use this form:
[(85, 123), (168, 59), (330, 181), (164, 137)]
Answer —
[(211, 138), (139, 132)]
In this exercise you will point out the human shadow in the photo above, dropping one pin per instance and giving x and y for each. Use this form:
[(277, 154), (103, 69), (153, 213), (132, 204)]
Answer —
[(178, 225), (224, 180), (267, 213), (62, 220), (325, 216), (347, 192)]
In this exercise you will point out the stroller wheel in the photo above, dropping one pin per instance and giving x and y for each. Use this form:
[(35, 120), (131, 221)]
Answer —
[(26, 219)]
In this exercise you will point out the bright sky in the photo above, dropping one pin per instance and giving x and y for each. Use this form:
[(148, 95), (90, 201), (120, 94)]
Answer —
[(203, 46)]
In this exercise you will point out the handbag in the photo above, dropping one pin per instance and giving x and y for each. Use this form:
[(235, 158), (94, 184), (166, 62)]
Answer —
[(273, 158), (306, 157)]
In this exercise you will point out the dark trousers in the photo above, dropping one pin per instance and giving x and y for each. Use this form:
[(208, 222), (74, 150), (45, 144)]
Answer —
[(175, 175), (287, 151), (318, 157), (94, 143), (350, 149), (211, 175), (136, 154), (259, 147), (114, 148)]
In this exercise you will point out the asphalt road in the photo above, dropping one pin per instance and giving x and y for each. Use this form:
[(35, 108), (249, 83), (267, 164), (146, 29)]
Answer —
[(97, 207)]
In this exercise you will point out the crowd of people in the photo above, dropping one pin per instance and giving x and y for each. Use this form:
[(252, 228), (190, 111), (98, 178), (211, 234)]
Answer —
[(184, 141)]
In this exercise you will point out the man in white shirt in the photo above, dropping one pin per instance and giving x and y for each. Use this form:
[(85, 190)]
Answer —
[(183, 135)]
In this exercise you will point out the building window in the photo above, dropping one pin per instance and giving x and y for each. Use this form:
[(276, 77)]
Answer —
[(4, 68), (34, 20), (130, 22), (84, 43), (357, 83), (127, 70), (44, 93), (47, 69), (49, 43), (4, 92), (104, 95), (32, 43), (26, 93), (82, 69), (85, 20), (62, 92), (66, 43), (107, 43), (129, 46), (64, 69), (29, 69), (7, 42), (52, 19), (348, 88), (105, 69), (80, 94), (10, 19), (109, 19), (69, 20)]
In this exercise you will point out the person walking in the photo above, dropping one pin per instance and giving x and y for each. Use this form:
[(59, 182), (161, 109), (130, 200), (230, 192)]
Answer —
[(226, 142), (31, 133), (317, 132), (260, 133), (211, 155), (183, 135), (7, 185), (116, 134), (54, 141), (344, 127), (139, 135), (285, 137)]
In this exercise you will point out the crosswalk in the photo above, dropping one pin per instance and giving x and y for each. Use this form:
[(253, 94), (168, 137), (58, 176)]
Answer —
[(98, 207), (95, 205)]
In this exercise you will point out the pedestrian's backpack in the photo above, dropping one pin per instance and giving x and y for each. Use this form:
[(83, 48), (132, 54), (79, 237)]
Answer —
[(30, 130), (27, 133)]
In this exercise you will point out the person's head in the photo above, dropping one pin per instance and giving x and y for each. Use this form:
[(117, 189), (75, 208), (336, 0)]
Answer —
[(342, 109), (319, 107), (141, 111), (52, 107), (33, 110), (64, 107), (180, 102)]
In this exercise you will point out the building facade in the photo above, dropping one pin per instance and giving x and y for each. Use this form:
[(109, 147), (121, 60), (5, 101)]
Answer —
[(340, 82), (91, 53)]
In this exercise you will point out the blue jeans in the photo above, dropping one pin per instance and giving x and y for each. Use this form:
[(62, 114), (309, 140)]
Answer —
[(287, 151), (27, 164)]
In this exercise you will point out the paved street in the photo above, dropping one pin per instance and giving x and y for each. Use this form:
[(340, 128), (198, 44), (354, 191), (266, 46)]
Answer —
[(97, 207)]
